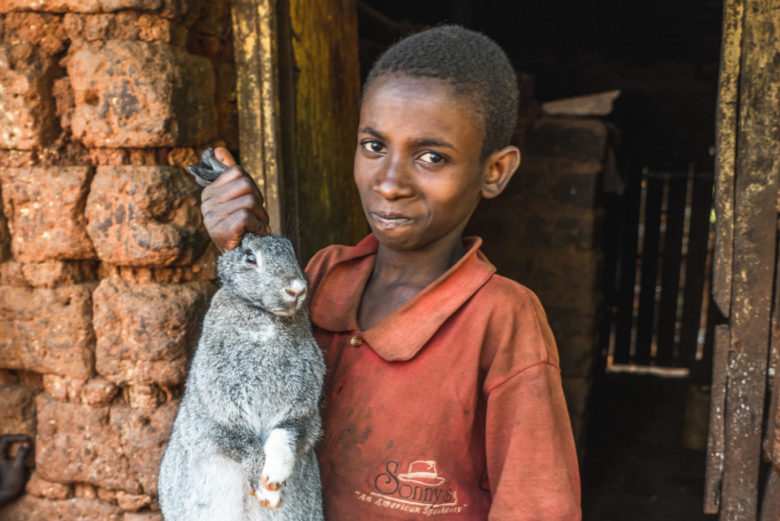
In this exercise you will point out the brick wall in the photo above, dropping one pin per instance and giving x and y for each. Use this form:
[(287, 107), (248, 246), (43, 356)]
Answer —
[(103, 258)]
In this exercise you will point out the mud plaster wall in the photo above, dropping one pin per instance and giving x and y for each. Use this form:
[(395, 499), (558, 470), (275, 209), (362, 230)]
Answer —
[(103, 258)]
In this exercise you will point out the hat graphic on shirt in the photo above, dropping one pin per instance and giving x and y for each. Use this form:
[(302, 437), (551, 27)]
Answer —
[(423, 473)]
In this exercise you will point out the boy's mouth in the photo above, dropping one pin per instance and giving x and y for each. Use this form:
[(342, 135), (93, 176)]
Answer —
[(390, 220)]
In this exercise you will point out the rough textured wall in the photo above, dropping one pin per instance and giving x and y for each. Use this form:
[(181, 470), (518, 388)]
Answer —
[(103, 258)]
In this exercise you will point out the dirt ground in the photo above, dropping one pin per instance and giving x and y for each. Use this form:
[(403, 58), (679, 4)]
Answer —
[(635, 466)]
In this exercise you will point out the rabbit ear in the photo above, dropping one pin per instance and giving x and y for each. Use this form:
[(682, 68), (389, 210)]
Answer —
[(209, 170)]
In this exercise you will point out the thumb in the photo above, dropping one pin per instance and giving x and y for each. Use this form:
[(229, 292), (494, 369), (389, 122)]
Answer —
[(224, 156)]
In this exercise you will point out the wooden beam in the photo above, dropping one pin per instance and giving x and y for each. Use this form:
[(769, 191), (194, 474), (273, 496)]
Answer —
[(757, 169), (716, 437), (725, 138), (298, 92), (259, 119), (327, 92)]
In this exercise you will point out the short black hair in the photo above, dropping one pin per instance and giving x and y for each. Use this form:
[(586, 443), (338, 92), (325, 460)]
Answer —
[(472, 63)]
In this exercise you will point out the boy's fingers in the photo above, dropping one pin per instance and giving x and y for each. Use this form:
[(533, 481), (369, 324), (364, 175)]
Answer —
[(224, 156)]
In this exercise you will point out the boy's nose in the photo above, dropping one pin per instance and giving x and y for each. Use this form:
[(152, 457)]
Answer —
[(393, 182)]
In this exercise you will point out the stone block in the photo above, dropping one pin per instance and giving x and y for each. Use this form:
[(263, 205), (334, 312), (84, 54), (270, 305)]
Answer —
[(78, 443), (44, 207), (145, 216), (31, 508), (141, 94), (47, 330), (58, 273), (63, 388), (79, 6), (144, 435), (26, 105), (37, 486), (123, 25), (568, 138), (132, 502), (98, 391), (17, 410), (145, 332), (41, 29)]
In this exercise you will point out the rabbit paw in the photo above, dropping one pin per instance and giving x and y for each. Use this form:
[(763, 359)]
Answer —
[(267, 498), (279, 460)]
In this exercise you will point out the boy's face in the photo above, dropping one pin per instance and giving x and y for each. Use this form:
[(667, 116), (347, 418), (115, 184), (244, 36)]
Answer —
[(417, 162)]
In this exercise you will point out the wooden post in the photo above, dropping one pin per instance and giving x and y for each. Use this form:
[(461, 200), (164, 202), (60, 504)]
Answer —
[(748, 169), (298, 94), (259, 119)]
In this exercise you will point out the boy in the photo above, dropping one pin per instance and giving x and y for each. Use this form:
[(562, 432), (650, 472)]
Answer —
[(443, 394)]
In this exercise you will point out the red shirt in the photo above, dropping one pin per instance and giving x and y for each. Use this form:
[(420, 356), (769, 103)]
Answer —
[(451, 407)]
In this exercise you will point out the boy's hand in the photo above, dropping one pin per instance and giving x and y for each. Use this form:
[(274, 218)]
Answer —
[(12, 471), (232, 205)]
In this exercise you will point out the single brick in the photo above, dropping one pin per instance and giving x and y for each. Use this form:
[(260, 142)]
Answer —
[(47, 330), (31, 508), (26, 104), (78, 443), (143, 436), (141, 94), (145, 332), (17, 410), (45, 211), (568, 138), (132, 502), (145, 216)]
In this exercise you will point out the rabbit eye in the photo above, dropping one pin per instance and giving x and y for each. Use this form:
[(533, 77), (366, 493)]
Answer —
[(250, 258)]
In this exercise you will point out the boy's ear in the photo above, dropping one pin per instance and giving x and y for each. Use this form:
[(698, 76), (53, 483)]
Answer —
[(500, 167)]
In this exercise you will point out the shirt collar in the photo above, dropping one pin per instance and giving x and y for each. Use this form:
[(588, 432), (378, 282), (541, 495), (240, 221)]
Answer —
[(402, 334)]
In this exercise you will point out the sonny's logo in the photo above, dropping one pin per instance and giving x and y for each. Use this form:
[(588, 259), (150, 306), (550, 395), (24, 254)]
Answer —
[(421, 485)]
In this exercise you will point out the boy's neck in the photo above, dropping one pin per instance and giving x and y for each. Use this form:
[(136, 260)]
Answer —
[(400, 275), (417, 268)]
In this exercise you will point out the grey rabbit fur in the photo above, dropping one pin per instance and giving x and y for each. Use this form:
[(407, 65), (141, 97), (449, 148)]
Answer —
[(242, 445)]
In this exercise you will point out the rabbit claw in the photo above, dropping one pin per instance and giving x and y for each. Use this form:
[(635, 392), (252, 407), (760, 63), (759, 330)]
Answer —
[(273, 487)]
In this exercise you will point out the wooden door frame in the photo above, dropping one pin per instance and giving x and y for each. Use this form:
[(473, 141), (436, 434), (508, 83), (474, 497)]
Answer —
[(298, 90)]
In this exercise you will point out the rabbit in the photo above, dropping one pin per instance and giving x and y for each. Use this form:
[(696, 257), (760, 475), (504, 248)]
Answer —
[(242, 445)]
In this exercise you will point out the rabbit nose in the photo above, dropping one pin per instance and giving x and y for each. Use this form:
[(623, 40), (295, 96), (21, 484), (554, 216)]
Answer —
[(296, 289)]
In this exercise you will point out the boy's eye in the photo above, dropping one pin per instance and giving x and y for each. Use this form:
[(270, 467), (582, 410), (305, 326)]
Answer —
[(372, 146), (433, 158), (250, 258)]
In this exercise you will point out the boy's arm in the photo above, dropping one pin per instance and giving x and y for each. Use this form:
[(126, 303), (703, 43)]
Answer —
[(531, 459)]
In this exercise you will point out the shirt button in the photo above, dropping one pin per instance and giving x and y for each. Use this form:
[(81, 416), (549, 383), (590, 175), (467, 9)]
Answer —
[(356, 341)]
